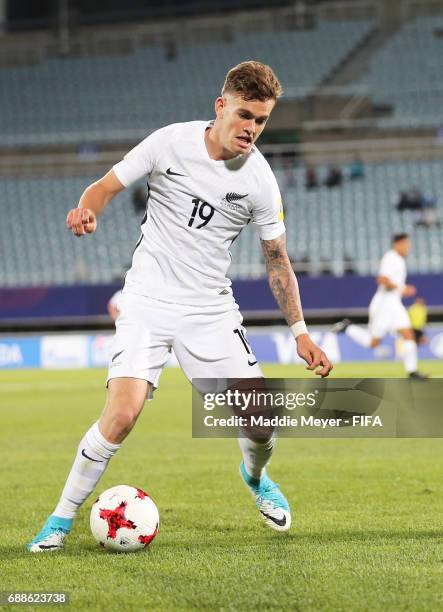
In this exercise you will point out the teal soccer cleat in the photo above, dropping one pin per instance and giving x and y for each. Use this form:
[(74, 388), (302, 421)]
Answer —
[(270, 501), (51, 535)]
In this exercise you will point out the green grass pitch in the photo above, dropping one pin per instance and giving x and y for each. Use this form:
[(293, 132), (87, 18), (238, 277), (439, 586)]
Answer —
[(367, 528)]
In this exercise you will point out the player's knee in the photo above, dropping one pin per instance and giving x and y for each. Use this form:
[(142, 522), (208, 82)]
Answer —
[(124, 420), (117, 423), (375, 342), (122, 409)]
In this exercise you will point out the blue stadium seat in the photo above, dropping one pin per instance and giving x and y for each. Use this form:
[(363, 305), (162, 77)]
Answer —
[(79, 99), (407, 74)]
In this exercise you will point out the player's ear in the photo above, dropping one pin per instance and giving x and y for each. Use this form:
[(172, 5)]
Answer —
[(219, 107)]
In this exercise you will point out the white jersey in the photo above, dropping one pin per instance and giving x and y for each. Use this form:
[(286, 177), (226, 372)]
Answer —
[(386, 311), (196, 208), (115, 299), (393, 266)]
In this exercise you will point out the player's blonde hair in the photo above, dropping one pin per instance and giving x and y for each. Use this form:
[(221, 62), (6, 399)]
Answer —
[(253, 81)]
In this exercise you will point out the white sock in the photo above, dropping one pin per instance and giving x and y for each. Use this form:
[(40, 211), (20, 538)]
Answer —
[(256, 455), (93, 455), (409, 356), (360, 335)]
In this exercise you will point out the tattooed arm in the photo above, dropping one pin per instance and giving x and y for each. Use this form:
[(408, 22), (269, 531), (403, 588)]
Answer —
[(284, 286), (282, 279)]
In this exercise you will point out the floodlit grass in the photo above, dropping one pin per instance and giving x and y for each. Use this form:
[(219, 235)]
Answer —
[(367, 527)]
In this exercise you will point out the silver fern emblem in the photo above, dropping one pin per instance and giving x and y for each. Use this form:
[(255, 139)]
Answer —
[(232, 196)]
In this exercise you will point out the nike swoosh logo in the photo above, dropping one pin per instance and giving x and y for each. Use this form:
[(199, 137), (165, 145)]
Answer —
[(169, 171), (253, 363), (116, 355), (280, 522), (90, 458)]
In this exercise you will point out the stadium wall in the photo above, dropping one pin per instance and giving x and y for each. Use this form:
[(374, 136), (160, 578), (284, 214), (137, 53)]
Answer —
[(272, 345), (321, 296)]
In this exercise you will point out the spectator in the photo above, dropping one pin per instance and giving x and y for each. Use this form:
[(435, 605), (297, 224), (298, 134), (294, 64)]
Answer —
[(423, 204), (410, 200), (428, 213), (311, 181), (356, 169), (334, 177), (402, 202)]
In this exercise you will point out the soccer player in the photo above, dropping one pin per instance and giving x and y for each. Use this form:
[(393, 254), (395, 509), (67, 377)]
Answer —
[(386, 310), (418, 315), (113, 305), (206, 180)]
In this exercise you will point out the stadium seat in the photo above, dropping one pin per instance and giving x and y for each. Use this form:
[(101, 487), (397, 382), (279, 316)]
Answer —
[(328, 226), (407, 74), (102, 98)]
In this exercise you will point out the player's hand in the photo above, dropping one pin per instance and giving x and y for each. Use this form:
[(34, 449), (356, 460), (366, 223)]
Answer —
[(409, 291), (313, 355), (81, 221)]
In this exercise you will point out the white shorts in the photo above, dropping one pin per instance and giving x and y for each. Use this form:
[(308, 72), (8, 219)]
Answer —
[(209, 342), (386, 315)]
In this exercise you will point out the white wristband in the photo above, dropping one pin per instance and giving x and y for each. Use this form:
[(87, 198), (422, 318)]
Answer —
[(299, 328)]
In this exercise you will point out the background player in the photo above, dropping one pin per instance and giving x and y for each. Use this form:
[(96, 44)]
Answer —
[(386, 310), (113, 305), (418, 315), (206, 181)]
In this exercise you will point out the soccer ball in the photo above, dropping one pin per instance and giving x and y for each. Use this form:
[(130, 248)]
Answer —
[(124, 519)]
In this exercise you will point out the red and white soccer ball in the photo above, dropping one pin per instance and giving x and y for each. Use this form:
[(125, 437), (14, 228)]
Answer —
[(124, 519)]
